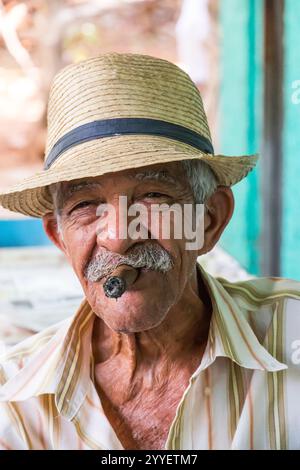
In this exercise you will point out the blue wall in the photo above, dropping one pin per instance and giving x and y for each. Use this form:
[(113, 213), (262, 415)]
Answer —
[(290, 251), (23, 232), (241, 119)]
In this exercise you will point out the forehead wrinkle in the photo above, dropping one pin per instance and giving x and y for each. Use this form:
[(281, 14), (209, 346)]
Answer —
[(155, 175), (73, 187)]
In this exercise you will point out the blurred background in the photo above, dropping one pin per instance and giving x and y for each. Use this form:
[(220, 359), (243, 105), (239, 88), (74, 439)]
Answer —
[(244, 56)]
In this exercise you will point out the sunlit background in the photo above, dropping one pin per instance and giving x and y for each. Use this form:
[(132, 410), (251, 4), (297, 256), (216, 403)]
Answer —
[(244, 57)]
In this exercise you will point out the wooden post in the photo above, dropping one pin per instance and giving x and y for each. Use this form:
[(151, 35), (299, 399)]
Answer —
[(272, 145)]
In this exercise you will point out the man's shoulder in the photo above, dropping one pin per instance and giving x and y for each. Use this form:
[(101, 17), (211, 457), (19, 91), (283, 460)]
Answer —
[(16, 357), (271, 307), (258, 292)]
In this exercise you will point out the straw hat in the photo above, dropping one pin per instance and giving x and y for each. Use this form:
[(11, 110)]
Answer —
[(121, 111)]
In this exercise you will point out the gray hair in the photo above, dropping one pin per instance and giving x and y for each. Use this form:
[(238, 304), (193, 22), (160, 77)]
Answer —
[(201, 178)]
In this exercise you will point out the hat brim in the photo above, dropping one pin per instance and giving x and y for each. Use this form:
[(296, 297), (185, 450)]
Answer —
[(98, 157)]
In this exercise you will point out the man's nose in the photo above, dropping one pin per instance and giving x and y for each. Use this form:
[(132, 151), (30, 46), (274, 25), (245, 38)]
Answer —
[(113, 229)]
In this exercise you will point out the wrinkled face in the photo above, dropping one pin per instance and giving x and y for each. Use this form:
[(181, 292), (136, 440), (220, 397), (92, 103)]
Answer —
[(146, 303)]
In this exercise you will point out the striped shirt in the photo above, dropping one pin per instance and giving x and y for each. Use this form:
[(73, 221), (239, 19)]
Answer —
[(243, 395)]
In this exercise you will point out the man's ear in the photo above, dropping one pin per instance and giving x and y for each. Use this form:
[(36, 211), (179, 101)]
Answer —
[(219, 210), (51, 229)]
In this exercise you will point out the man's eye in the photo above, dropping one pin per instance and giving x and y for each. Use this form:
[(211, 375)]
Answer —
[(81, 205), (154, 195)]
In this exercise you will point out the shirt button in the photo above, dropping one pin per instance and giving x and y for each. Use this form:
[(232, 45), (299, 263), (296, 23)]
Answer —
[(207, 391)]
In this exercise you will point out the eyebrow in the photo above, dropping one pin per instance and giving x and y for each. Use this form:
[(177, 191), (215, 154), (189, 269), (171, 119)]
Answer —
[(158, 175), (73, 188)]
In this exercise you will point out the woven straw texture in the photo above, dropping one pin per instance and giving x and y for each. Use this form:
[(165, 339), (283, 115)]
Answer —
[(120, 86)]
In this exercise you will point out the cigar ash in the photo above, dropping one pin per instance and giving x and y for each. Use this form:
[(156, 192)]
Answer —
[(114, 287), (119, 280)]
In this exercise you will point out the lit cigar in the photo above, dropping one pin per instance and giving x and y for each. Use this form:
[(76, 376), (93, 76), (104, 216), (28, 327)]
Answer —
[(119, 280)]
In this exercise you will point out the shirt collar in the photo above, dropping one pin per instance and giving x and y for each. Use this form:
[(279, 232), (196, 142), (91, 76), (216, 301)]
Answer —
[(63, 365), (230, 335)]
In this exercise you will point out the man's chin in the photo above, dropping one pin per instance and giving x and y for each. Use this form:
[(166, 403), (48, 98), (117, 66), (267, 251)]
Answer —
[(132, 326), (131, 313)]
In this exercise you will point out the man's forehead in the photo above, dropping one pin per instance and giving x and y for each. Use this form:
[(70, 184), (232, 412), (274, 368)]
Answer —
[(168, 172)]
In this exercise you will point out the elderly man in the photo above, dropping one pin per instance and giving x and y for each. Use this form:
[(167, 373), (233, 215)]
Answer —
[(160, 355)]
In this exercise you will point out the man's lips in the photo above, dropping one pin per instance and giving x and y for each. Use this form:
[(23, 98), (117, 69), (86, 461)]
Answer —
[(147, 278), (103, 278)]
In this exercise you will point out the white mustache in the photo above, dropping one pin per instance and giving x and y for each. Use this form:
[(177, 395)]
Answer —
[(152, 257)]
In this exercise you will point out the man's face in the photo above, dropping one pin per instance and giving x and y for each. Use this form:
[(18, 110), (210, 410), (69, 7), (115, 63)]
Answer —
[(146, 303)]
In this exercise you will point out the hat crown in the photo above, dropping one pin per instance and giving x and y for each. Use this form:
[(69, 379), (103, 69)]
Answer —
[(123, 94), (123, 86)]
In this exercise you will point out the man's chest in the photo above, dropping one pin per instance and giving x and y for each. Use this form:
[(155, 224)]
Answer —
[(141, 411), (143, 423)]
